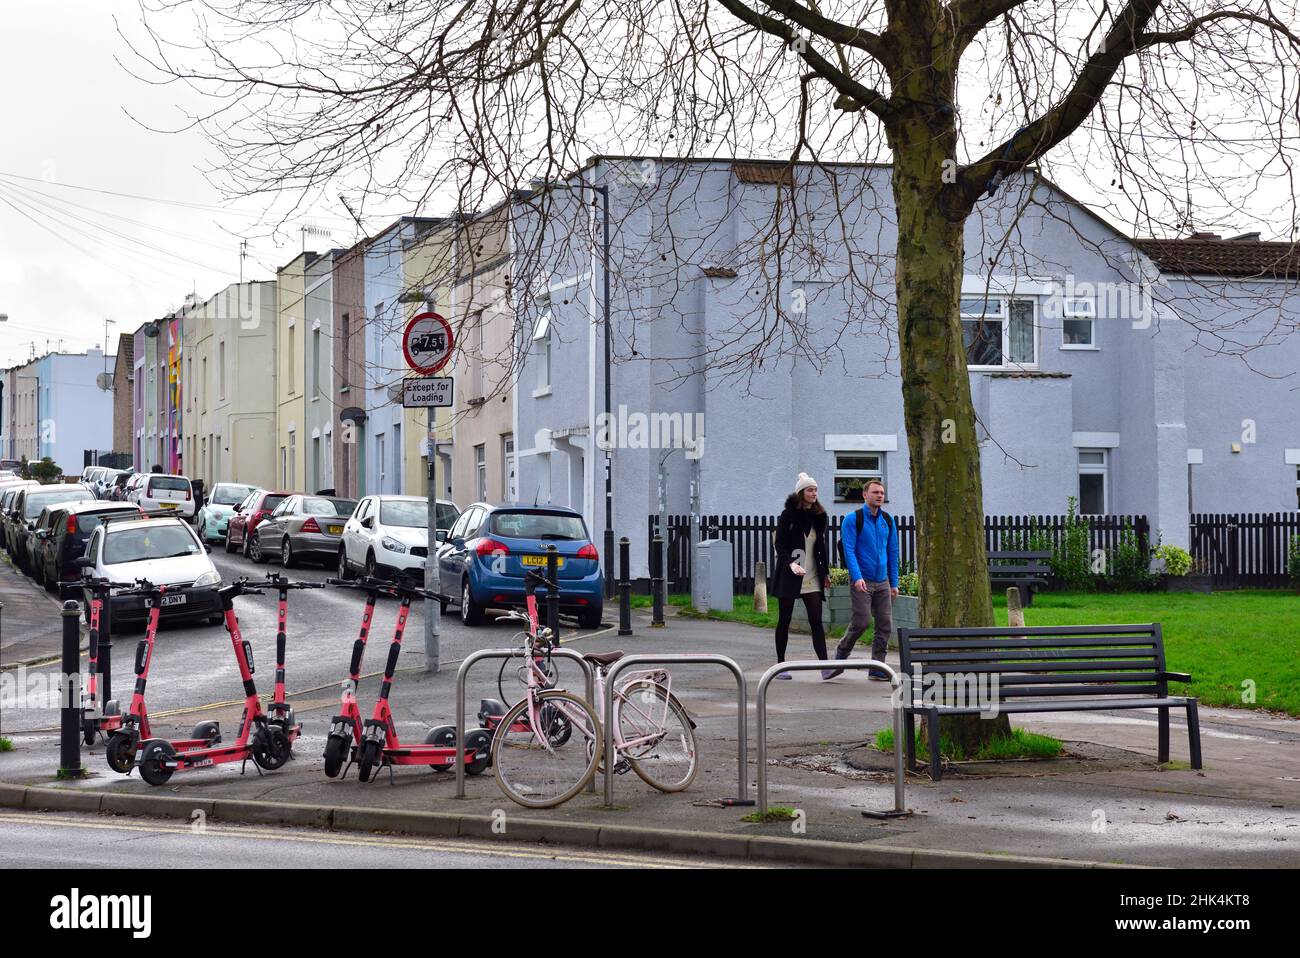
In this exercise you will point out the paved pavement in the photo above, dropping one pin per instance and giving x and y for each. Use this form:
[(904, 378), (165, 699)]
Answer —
[(1108, 802), (45, 840)]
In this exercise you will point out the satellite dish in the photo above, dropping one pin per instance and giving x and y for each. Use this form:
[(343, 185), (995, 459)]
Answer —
[(104, 381), (395, 391), (353, 414)]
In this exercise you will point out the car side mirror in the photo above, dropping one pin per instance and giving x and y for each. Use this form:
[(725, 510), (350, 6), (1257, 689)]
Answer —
[(368, 522), (83, 563), (440, 535)]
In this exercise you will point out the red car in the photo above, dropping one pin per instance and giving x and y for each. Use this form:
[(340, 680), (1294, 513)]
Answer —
[(254, 510)]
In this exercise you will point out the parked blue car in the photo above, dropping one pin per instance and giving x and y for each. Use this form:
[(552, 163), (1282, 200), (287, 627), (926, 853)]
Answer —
[(490, 548)]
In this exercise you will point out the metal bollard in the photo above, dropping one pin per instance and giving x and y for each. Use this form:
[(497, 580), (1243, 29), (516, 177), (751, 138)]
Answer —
[(553, 595), (624, 587), (657, 582), (70, 695)]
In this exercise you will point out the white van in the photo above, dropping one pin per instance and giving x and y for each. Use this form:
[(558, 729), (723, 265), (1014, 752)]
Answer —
[(164, 495)]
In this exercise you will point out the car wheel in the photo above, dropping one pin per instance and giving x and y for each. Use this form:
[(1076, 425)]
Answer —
[(590, 618), (471, 613), (255, 550), (344, 574), (286, 553), (230, 546), (371, 568), (244, 545), (218, 619)]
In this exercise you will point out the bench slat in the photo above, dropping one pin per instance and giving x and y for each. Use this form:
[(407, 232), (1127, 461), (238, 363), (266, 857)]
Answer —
[(1138, 628), (1043, 691), (1120, 670), (1098, 705), (975, 645), (943, 655)]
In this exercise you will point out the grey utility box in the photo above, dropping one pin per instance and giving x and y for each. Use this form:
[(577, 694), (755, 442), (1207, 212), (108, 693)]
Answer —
[(711, 580)]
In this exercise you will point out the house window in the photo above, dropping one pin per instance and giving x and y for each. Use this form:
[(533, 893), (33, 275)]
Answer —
[(1077, 324), (853, 470), (345, 357), (508, 486), (293, 460), (477, 359), (1297, 486), (315, 464), (380, 447), (221, 369), (1092, 482), (542, 349), (480, 472), (205, 383), (315, 362), (397, 457), (998, 332), (290, 356)]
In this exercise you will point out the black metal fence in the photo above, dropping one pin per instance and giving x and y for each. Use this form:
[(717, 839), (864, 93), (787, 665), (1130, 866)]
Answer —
[(751, 539), (1243, 550)]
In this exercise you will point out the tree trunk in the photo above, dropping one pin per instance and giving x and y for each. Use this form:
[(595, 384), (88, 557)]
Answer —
[(939, 416)]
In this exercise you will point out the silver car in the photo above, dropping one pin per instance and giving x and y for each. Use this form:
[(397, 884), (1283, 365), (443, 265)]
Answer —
[(302, 527)]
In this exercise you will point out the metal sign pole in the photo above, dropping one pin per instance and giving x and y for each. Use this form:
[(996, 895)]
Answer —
[(432, 608)]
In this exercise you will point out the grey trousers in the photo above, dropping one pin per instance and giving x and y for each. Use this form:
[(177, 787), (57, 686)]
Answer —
[(876, 603)]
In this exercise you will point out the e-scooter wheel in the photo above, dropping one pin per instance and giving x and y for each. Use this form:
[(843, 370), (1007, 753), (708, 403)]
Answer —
[(152, 755), (336, 753), (480, 741), (120, 752), (88, 731), (443, 736), (271, 748), (370, 750), (209, 732)]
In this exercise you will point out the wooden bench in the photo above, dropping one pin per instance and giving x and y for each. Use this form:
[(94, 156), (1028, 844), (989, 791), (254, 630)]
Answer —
[(1024, 570), (1045, 669)]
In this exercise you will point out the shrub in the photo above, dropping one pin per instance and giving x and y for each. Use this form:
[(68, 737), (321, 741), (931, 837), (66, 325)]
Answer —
[(1071, 559), (839, 575), (1178, 562), (1129, 565), (909, 583), (1293, 561)]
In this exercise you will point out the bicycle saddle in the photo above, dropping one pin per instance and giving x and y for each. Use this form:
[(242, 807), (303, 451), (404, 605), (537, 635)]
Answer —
[(603, 658)]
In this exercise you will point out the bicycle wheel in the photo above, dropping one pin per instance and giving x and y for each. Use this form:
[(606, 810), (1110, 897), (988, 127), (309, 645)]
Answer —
[(655, 736), (512, 679), (533, 771)]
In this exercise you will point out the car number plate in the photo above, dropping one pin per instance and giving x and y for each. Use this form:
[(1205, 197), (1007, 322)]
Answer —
[(167, 505), (174, 599), (541, 560), (335, 530)]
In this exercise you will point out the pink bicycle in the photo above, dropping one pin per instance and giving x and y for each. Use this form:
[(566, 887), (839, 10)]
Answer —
[(547, 747)]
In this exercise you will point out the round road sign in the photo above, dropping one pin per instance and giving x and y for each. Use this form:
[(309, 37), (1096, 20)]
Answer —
[(427, 343)]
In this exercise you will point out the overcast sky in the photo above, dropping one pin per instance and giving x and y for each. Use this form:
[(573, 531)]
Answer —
[(71, 258)]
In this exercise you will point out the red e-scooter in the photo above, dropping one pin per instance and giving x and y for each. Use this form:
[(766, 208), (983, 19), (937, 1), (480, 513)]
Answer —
[(374, 742), (96, 718), (265, 737), (133, 728)]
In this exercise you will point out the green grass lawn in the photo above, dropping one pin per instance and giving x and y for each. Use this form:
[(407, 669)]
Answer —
[(1236, 645), (1232, 643)]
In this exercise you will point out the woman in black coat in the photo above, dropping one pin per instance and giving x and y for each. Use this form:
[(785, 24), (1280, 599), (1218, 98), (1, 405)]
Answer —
[(802, 568)]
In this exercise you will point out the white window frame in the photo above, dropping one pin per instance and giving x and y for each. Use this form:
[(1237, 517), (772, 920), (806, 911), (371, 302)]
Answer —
[(509, 492), (480, 472), (1003, 319), (1297, 486), (1094, 469), (380, 448), (863, 474), (1078, 309), (542, 346)]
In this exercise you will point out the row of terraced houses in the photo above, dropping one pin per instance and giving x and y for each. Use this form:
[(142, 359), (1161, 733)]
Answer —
[(1141, 376)]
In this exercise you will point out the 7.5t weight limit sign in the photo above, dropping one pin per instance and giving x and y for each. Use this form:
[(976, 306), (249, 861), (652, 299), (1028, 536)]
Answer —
[(427, 343)]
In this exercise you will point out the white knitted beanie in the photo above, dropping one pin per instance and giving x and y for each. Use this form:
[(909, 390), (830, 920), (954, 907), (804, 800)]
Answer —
[(803, 482)]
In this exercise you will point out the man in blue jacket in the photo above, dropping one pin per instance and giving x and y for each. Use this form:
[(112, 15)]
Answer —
[(870, 540)]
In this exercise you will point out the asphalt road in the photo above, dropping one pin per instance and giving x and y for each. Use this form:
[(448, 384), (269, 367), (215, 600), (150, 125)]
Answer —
[(193, 666), (55, 840)]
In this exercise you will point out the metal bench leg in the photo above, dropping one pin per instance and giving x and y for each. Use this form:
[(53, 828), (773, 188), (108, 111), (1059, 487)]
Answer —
[(932, 731), (909, 731), (1162, 751), (1194, 733)]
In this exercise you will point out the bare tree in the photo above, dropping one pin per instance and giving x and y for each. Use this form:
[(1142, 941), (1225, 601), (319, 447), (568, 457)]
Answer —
[(1170, 111)]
